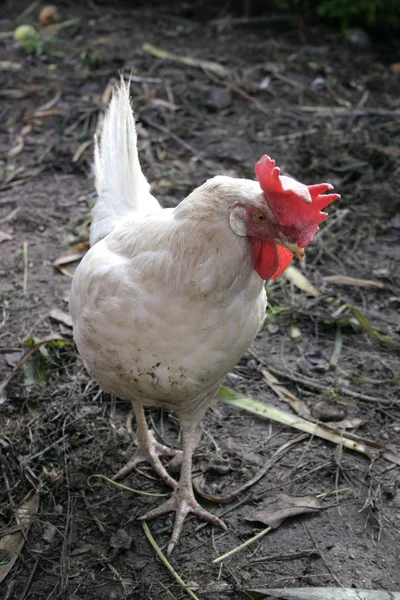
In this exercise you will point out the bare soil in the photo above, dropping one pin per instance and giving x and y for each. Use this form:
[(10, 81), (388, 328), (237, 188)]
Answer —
[(325, 110)]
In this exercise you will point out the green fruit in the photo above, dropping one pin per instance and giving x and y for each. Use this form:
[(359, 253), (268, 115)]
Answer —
[(27, 37)]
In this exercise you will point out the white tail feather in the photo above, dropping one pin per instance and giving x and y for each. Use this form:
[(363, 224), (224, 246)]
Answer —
[(121, 186)]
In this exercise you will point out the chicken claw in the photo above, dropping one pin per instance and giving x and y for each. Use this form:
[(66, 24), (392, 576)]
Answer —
[(182, 502), (149, 450)]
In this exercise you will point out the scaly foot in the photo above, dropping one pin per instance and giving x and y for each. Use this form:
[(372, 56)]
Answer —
[(151, 452), (182, 502)]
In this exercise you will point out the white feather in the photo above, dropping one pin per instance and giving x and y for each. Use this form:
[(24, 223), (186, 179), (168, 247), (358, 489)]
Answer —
[(121, 187)]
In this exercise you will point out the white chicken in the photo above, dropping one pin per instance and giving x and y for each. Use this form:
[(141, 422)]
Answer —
[(167, 300)]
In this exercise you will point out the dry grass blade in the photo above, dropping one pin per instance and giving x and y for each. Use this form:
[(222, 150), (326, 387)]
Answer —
[(353, 281), (51, 103), (326, 593), (11, 544), (242, 546), (11, 215), (300, 407), (387, 340), (341, 317), (284, 394), (334, 359), (10, 65), (84, 146), (300, 281), (166, 562), (368, 381), (370, 448), (17, 148), (121, 486), (28, 11)]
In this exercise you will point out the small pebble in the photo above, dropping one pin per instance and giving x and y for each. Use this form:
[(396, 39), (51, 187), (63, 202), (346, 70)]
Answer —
[(358, 37), (49, 532), (294, 333), (121, 540), (325, 411), (272, 328), (219, 98), (49, 15)]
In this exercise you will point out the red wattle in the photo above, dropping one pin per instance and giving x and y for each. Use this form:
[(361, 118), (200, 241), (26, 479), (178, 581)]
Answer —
[(284, 260), (269, 259)]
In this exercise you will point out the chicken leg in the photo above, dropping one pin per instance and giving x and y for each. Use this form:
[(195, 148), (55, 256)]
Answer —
[(148, 450), (183, 500)]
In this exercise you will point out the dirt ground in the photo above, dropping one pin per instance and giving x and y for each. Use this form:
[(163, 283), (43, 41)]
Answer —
[(326, 110)]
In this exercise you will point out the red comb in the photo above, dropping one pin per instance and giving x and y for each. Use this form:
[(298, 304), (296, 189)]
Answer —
[(296, 207)]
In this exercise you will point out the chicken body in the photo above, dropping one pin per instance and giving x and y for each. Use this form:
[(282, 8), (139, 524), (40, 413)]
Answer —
[(166, 301)]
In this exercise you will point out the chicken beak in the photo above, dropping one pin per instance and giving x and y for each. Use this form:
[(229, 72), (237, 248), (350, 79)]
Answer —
[(294, 249)]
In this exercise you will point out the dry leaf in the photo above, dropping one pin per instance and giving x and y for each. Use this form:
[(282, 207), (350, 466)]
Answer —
[(5, 237), (61, 317), (67, 259), (12, 543), (354, 281), (12, 359), (276, 510)]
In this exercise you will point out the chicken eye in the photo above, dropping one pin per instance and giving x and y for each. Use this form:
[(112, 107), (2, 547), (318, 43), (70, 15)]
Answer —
[(259, 217)]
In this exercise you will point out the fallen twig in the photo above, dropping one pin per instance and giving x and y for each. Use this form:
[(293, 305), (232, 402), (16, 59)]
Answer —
[(229, 497), (26, 266), (370, 448), (206, 65), (322, 593), (314, 385), (353, 281)]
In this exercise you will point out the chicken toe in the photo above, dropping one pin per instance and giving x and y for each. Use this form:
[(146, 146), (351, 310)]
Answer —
[(149, 450), (182, 502)]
